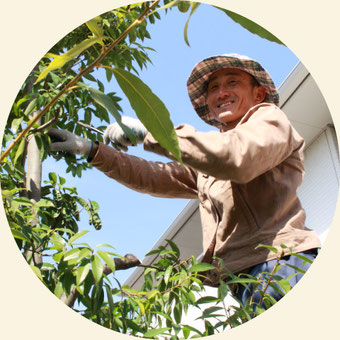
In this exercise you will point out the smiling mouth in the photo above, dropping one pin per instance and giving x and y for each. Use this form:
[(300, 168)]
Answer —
[(223, 105)]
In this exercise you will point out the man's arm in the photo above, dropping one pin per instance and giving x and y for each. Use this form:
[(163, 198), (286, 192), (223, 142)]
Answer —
[(262, 140), (155, 178), (172, 180)]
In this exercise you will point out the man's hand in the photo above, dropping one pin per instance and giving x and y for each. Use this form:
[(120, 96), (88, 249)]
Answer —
[(63, 140), (117, 137)]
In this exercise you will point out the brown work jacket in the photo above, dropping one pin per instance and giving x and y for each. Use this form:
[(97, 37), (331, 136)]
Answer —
[(245, 178)]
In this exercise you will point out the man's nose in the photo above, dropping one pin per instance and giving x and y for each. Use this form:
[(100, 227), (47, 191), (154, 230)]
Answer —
[(223, 92)]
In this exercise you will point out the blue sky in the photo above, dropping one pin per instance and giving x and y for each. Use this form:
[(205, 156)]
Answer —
[(133, 222)]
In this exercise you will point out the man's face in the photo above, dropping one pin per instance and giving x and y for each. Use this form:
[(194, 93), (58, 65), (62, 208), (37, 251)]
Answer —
[(231, 94)]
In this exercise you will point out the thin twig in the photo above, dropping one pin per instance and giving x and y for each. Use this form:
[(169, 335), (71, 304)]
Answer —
[(47, 124), (90, 127)]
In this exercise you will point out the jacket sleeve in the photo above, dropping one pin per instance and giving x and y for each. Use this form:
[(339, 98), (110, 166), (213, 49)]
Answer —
[(263, 139), (171, 180)]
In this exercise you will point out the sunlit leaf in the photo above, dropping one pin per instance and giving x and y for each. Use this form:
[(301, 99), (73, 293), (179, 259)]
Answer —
[(20, 150), (77, 236), (206, 299), (153, 332), (97, 268), (82, 272), (107, 259), (183, 6), (31, 106), (95, 26), (150, 110), (167, 274), (37, 272), (19, 235), (71, 254), (44, 204), (16, 123), (273, 249), (194, 7), (251, 26), (167, 6), (60, 60), (222, 290), (106, 102), (174, 247), (201, 267)]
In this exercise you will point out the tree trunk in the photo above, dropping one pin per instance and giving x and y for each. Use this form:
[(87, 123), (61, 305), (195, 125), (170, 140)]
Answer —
[(33, 184)]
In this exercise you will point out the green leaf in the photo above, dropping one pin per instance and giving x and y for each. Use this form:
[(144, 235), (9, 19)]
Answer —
[(133, 326), (53, 177), (83, 253), (152, 294), (107, 103), (36, 271), (58, 242), (166, 316), (19, 235), (251, 26), (150, 110), (71, 254), (178, 312), (183, 6), (58, 290), (110, 300), (76, 236), (194, 7), (284, 284), (201, 267), (44, 204), (95, 27), (167, 274), (222, 290), (174, 247), (58, 256), (168, 5), (82, 272), (153, 332), (47, 266), (273, 249), (187, 327), (31, 106), (303, 258), (207, 299), (60, 60), (16, 123), (108, 259), (209, 311), (20, 150), (242, 280), (97, 268)]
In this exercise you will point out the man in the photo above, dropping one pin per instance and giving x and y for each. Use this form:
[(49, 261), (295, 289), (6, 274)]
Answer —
[(245, 175)]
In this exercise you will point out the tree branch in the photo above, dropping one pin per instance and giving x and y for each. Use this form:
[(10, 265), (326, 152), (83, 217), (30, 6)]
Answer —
[(138, 21)]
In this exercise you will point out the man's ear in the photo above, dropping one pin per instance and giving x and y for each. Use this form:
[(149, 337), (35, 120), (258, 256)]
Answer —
[(260, 94)]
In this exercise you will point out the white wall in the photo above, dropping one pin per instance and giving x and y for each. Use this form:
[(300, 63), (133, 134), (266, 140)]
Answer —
[(319, 190)]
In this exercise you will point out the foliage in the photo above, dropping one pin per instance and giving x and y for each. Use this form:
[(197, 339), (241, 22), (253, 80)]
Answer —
[(65, 91)]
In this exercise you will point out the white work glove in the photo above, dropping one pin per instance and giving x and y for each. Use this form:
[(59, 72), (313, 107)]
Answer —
[(63, 140), (118, 138)]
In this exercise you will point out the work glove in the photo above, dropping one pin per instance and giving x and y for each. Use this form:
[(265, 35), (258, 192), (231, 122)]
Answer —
[(118, 138), (63, 140)]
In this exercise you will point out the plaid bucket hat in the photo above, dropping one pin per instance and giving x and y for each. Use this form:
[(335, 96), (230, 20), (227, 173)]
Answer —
[(198, 80)]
